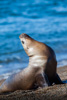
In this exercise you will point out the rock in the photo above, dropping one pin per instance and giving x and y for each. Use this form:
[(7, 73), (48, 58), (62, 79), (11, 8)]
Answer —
[(56, 92)]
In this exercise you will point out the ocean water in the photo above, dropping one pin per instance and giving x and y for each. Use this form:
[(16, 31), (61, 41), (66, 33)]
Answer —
[(44, 20)]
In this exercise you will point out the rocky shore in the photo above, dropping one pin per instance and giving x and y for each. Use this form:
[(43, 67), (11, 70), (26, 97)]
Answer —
[(56, 92)]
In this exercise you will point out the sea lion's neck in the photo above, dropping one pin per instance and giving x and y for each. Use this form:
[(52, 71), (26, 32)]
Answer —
[(37, 61)]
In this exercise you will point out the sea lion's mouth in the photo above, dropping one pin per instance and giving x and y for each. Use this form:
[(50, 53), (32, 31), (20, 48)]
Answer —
[(20, 37)]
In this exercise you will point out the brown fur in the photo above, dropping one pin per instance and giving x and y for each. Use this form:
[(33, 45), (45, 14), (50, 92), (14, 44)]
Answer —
[(40, 71)]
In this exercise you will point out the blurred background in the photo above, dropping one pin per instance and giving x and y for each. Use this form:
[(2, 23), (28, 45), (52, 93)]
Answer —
[(44, 20)]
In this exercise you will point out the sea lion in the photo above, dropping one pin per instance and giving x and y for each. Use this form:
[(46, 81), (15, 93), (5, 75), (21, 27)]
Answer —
[(33, 74), (41, 70)]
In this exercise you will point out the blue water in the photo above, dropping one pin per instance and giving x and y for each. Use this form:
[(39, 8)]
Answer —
[(44, 20)]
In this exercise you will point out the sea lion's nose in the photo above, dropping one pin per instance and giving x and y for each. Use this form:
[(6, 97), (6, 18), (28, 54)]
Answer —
[(22, 35)]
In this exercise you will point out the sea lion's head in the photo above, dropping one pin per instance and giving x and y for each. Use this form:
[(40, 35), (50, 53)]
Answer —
[(31, 46), (35, 50), (27, 43)]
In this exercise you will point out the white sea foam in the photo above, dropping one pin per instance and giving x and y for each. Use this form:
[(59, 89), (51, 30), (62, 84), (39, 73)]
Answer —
[(1, 65), (6, 75), (17, 57), (62, 63)]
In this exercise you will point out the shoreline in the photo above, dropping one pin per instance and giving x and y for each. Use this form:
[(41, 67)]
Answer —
[(60, 71)]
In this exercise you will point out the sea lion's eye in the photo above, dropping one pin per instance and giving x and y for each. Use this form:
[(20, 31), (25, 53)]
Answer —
[(23, 42)]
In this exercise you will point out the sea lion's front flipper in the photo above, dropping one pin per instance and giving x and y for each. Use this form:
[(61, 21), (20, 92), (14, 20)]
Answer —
[(42, 80)]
